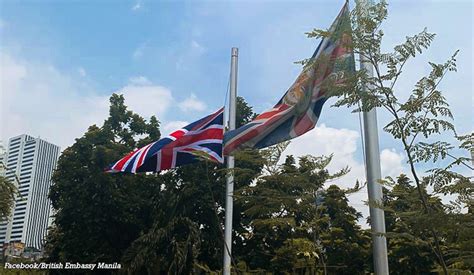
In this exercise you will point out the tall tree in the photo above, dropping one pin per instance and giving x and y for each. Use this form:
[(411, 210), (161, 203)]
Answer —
[(244, 112), (98, 215), (407, 254), (346, 246), (287, 230), (408, 228), (414, 121)]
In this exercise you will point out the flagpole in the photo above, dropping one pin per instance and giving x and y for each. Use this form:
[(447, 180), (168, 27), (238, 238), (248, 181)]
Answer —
[(373, 172), (229, 205)]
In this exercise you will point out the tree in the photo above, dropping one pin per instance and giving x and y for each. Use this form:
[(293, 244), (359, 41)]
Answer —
[(409, 238), (8, 191), (244, 113), (7, 197), (287, 231), (407, 254), (414, 121), (98, 215), (346, 245)]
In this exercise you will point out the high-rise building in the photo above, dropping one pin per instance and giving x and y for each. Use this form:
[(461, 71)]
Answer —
[(30, 163)]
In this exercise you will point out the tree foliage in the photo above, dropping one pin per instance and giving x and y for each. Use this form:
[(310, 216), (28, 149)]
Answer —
[(7, 197), (98, 215), (8, 191), (294, 225), (418, 122)]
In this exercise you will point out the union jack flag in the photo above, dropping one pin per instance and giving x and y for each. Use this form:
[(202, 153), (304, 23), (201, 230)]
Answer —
[(184, 146), (298, 110)]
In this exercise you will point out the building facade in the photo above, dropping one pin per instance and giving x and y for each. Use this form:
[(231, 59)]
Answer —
[(30, 163)]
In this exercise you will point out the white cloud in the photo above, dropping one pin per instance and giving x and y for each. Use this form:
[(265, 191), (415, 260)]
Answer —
[(137, 6), (147, 100), (139, 51), (11, 73), (343, 143), (39, 100), (325, 141), (391, 163), (197, 48), (192, 103), (194, 51), (172, 126), (81, 71), (139, 81)]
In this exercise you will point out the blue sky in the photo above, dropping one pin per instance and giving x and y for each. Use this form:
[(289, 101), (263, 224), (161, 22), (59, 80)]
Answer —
[(63, 59)]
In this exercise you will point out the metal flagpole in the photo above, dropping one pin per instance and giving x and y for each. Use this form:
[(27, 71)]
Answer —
[(372, 161), (377, 217), (229, 205)]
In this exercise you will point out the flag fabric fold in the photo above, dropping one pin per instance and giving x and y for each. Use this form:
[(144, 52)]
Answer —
[(202, 138), (298, 110)]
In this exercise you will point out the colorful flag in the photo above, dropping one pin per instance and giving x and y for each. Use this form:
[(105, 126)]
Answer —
[(202, 138), (298, 110)]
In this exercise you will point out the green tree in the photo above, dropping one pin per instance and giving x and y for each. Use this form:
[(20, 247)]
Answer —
[(409, 238), (7, 194), (7, 197), (346, 246), (244, 112), (287, 231), (98, 215), (406, 254), (8, 191), (415, 121)]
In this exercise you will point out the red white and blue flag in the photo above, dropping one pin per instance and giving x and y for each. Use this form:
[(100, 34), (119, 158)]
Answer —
[(202, 138), (298, 110)]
